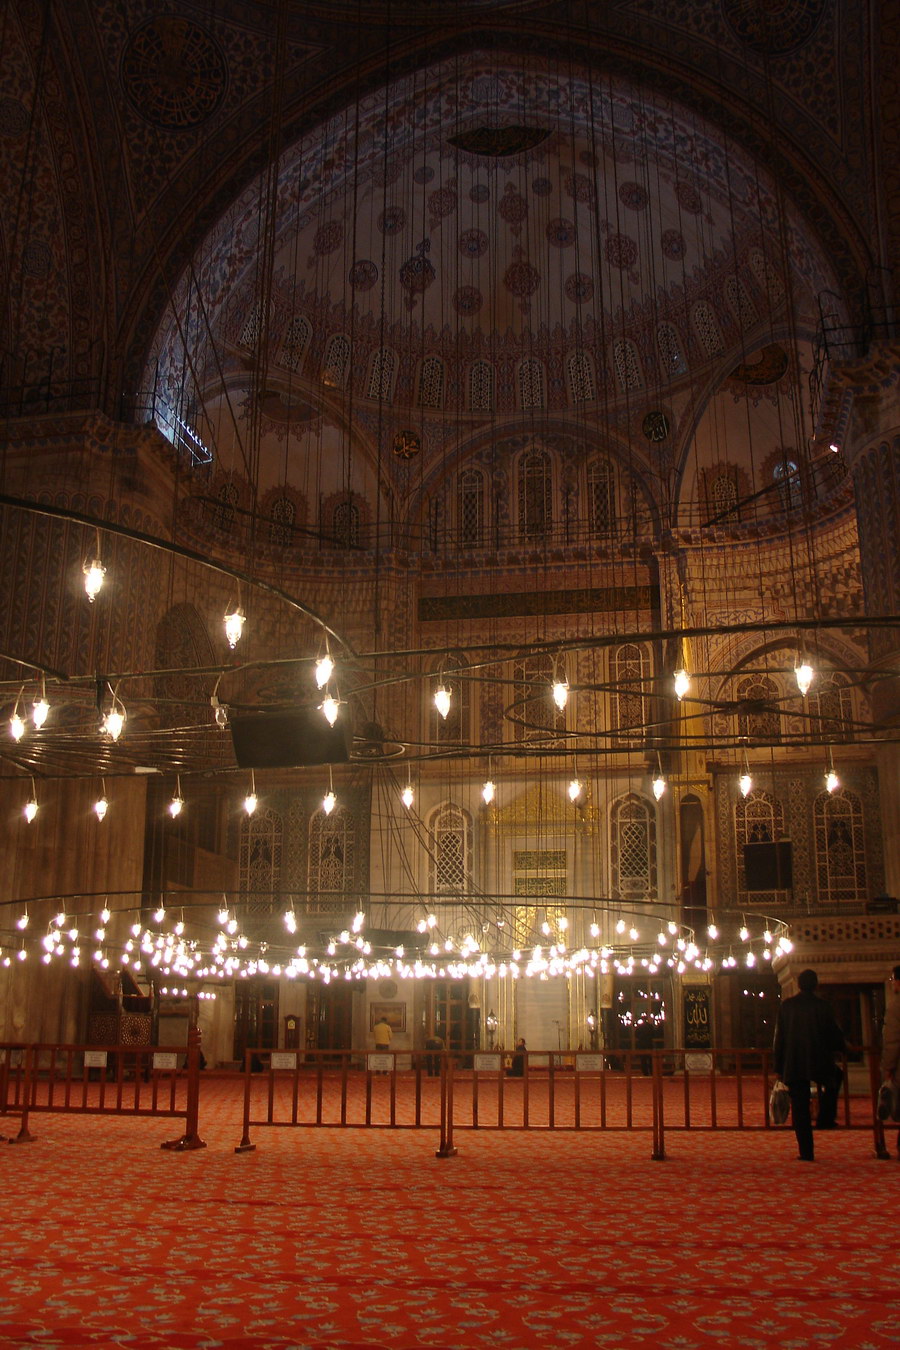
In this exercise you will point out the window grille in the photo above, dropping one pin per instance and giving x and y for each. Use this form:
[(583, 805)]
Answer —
[(345, 525), (742, 307), (629, 670), (531, 384), (536, 715), (628, 364), (260, 859), (581, 377), (337, 362), (633, 847), (601, 484), (226, 506), (250, 331), (332, 859), (669, 344), (767, 275), (481, 387), (707, 328), (830, 707), (381, 377), (758, 819), (787, 475), (451, 852), (470, 507), (431, 383), (723, 494), (840, 847), (296, 343), (281, 522), (535, 495), (763, 724)]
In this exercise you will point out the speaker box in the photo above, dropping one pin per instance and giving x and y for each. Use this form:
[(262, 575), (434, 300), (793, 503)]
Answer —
[(288, 740), (768, 866)]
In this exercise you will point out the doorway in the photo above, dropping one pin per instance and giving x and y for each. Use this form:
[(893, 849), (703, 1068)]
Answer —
[(255, 1016)]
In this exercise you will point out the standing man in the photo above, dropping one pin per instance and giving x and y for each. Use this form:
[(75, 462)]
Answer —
[(383, 1037), (807, 1038), (890, 1036)]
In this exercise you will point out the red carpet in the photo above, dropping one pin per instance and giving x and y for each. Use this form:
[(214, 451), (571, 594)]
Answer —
[(352, 1238)]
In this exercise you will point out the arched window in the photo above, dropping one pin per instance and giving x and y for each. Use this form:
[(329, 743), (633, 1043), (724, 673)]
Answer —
[(670, 353), (337, 362), (758, 723), (601, 493), (481, 386), (250, 331), (840, 848), (381, 375), (345, 524), (531, 383), (282, 516), (225, 509), (723, 494), (767, 275), (451, 851), (628, 364), (454, 728), (632, 835), (470, 507), (535, 495), (706, 326), (332, 859), (742, 307), (758, 819), (259, 859), (629, 672), (536, 716), (296, 342), (431, 383), (786, 474), (830, 707), (580, 370)]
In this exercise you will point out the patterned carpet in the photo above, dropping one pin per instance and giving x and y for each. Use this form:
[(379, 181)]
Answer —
[(353, 1238)]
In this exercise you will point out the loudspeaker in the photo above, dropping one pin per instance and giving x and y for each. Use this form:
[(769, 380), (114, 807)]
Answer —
[(287, 740), (769, 867)]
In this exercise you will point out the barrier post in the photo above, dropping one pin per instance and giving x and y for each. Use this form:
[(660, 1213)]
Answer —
[(245, 1146), (25, 1136), (881, 1148), (659, 1143), (190, 1140), (446, 1149)]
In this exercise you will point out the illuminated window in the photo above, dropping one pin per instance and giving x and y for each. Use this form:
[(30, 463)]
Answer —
[(332, 859), (451, 851), (633, 847), (431, 383), (840, 847), (601, 486)]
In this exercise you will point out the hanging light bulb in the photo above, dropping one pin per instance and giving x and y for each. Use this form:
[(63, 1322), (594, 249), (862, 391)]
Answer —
[(251, 799), (177, 802), (40, 708), (101, 805), (803, 674), (560, 690), (330, 708), (16, 724), (31, 806), (442, 700), (329, 801), (113, 723), (407, 796), (832, 782), (94, 573), (324, 670), (234, 625), (659, 786), (488, 792), (682, 683), (745, 782), (574, 790)]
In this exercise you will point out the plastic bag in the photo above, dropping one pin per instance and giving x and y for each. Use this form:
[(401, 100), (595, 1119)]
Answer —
[(779, 1103), (888, 1105)]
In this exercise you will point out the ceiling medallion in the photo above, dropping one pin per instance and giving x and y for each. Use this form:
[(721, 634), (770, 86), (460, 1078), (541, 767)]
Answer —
[(407, 444), (498, 142), (174, 72), (773, 27)]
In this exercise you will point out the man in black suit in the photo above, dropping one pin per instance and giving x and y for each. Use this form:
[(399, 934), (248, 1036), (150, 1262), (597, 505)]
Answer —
[(807, 1038)]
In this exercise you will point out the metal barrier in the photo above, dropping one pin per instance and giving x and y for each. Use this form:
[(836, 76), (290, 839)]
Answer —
[(102, 1080), (653, 1092)]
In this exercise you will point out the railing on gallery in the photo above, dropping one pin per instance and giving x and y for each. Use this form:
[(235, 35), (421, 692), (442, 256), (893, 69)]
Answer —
[(58, 1078), (655, 1092)]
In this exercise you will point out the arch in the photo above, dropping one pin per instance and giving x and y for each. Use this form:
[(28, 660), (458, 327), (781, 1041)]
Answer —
[(259, 858), (580, 372), (706, 326), (295, 343), (671, 353), (382, 373), (282, 518), (336, 366), (758, 819), (629, 670), (760, 724), (628, 364), (830, 706), (536, 715)]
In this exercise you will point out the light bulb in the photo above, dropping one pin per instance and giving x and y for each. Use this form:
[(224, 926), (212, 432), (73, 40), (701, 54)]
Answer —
[(745, 783), (834, 448), (234, 626), (175, 806), (442, 701), (101, 806), (488, 792), (832, 782), (250, 802), (39, 710), (31, 810), (659, 786), (712, 932), (159, 915), (330, 710), (94, 572), (682, 683), (803, 673), (561, 693), (16, 725), (221, 715), (114, 722), (407, 796), (329, 801), (22, 922), (324, 670), (574, 790), (744, 934)]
